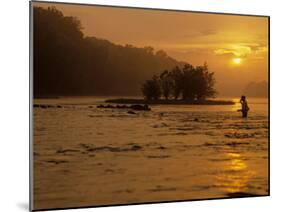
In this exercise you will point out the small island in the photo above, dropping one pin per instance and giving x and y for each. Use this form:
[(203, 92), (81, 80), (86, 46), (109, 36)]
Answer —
[(169, 102), (186, 85)]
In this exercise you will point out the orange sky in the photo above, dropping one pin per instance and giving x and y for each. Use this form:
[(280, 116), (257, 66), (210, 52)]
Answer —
[(186, 36)]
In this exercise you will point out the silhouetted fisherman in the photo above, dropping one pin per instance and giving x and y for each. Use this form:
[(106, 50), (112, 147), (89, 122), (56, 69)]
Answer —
[(244, 107)]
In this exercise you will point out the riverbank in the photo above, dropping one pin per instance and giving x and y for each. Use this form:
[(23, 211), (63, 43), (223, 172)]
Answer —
[(169, 102)]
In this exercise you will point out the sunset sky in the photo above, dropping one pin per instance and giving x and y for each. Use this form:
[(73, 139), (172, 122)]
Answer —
[(235, 47)]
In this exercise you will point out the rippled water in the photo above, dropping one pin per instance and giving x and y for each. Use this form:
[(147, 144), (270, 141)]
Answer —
[(85, 156)]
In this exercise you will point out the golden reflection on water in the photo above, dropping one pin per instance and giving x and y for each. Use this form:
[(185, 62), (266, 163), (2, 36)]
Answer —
[(236, 175), (236, 106)]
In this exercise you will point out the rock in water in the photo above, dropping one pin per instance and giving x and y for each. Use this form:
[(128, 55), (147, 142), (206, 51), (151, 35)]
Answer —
[(140, 107), (131, 112)]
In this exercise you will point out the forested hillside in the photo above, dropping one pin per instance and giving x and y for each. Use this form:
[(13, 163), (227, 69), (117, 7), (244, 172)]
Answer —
[(66, 62)]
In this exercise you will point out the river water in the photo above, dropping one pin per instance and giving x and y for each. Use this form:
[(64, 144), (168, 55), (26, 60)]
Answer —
[(87, 156)]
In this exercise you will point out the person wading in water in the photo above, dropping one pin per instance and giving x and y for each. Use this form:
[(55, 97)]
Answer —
[(244, 107)]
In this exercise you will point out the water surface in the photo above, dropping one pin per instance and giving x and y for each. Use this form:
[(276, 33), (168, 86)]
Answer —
[(85, 156)]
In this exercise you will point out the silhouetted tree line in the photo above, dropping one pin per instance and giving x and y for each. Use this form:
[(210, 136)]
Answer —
[(68, 63), (188, 82)]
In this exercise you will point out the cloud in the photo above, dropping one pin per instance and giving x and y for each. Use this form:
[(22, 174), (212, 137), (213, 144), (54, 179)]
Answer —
[(235, 50), (225, 52), (241, 50)]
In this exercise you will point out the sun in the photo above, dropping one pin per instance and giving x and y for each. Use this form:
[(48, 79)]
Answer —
[(236, 60)]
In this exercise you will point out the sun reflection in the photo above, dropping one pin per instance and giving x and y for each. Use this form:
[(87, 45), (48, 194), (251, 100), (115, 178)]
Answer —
[(236, 106), (235, 176), (238, 165), (233, 155)]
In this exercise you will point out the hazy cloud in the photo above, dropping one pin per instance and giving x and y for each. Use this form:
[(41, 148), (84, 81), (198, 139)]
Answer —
[(241, 50)]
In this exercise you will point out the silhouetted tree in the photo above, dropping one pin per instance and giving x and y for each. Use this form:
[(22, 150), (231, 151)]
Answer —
[(198, 82), (151, 89), (188, 88), (193, 83), (166, 83), (177, 78), (203, 82)]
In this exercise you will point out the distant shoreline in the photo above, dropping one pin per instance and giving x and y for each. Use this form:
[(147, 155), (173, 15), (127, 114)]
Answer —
[(169, 102)]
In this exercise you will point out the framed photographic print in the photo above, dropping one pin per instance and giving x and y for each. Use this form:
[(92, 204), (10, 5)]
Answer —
[(138, 105)]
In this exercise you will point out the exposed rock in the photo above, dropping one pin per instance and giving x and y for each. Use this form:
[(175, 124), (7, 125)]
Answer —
[(133, 107)]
